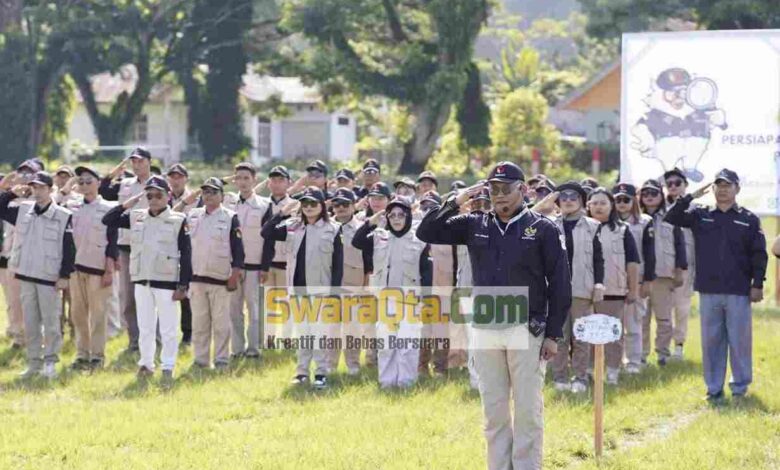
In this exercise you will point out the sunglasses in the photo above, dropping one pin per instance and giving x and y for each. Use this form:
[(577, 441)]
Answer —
[(396, 215), (569, 196), (623, 200), (152, 196), (341, 204), (650, 192), (498, 188), (86, 182), (674, 183), (542, 192), (309, 203)]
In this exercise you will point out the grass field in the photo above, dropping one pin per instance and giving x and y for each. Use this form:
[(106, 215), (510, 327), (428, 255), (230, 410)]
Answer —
[(251, 418)]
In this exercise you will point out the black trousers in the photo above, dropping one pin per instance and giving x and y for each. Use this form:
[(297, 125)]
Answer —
[(186, 320)]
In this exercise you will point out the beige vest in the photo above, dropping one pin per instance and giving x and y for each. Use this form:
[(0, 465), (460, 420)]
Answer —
[(443, 265), (154, 245), (89, 233), (584, 232), (319, 250), (128, 188), (210, 236), (664, 246), (396, 260), (280, 248), (250, 219), (353, 258), (465, 276), (8, 231), (613, 248), (37, 248), (637, 229)]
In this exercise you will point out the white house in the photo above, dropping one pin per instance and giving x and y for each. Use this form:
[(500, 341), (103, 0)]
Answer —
[(307, 131)]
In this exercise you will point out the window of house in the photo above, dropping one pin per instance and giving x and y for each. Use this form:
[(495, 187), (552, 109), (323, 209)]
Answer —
[(343, 121), (141, 129), (264, 137)]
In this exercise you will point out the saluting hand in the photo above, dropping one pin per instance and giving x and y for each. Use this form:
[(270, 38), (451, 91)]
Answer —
[(701, 191), (118, 169), (374, 220), (548, 203), (130, 203), (361, 204), (261, 185), (466, 193), (290, 207)]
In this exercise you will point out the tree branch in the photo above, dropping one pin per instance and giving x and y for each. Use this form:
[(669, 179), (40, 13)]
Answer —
[(393, 21)]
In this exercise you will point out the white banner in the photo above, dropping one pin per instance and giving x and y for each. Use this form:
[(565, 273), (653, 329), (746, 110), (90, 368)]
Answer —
[(703, 101)]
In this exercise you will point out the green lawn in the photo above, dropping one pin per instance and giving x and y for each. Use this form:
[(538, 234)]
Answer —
[(251, 418)]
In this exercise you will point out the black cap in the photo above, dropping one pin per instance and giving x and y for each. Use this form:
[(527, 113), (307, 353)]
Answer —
[(457, 184), (573, 186), (431, 196), (589, 183), (675, 172), (344, 195), (213, 183), (318, 165), (506, 172), (428, 175), (345, 173), (399, 201), (627, 189), (248, 166), (405, 182), (43, 177), (371, 163), (546, 183), (380, 189), (279, 170), (31, 165), (673, 78), (312, 193), (179, 169), (157, 182), (80, 170), (65, 169), (140, 152), (727, 175), (536, 179), (652, 184)]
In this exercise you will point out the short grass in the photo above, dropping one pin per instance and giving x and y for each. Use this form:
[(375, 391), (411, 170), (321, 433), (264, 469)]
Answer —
[(251, 418)]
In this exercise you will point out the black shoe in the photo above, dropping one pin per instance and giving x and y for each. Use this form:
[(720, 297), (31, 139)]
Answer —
[(320, 382), (300, 380), (714, 398), (96, 363), (662, 361), (80, 364), (144, 373), (16, 346)]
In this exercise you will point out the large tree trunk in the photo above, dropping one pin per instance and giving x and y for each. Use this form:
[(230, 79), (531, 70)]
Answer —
[(429, 120), (10, 15)]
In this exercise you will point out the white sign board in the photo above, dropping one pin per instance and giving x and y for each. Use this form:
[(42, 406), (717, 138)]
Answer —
[(597, 328), (703, 101)]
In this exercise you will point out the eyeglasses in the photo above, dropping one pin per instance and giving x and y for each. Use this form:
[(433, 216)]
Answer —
[(396, 215), (542, 192), (341, 204), (209, 192), (151, 196), (315, 174), (86, 182), (370, 171), (502, 188), (674, 183), (623, 200), (569, 196), (650, 192), (309, 203)]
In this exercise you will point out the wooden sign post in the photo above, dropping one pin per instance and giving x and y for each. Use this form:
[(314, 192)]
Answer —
[(598, 329)]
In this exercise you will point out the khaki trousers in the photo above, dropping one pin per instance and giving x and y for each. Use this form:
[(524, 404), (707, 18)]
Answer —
[(210, 318), (90, 304), (659, 306), (127, 299), (570, 349), (248, 293), (511, 377), (682, 309), (15, 329)]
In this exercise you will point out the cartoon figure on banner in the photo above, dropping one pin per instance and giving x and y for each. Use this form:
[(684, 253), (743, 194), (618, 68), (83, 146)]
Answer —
[(677, 127)]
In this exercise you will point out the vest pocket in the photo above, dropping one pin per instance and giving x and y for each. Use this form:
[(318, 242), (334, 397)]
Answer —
[(166, 264), (51, 265), (135, 263)]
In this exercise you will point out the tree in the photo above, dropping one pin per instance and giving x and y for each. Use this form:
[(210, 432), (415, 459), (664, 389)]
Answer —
[(415, 52), (610, 18)]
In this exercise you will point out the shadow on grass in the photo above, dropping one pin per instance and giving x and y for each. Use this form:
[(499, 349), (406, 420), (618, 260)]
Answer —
[(652, 376), (10, 355), (40, 384)]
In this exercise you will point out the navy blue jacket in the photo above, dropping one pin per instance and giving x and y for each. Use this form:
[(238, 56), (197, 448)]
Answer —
[(730, 247), (529, 253)]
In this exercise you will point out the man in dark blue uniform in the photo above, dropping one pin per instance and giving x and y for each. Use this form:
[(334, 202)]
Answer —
[(510, 247), (731, 264)]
